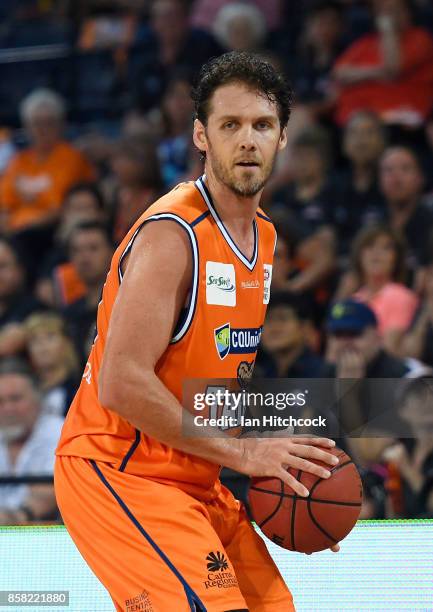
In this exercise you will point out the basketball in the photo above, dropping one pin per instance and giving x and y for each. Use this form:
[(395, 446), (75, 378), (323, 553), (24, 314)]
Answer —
[(313, 523)]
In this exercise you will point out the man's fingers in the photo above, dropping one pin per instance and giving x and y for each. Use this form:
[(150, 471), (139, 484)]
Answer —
[(307, 466), (335, 548), (294, 484), (311, 452), (327, 442)]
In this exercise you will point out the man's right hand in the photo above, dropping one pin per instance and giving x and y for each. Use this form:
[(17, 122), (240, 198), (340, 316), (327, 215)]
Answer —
[(272, 457)]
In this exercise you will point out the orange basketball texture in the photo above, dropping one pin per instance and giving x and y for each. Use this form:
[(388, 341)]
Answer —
[(313, 523)]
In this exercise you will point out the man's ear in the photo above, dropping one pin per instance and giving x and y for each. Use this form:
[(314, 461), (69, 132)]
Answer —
[(283, 139), (199, 136)]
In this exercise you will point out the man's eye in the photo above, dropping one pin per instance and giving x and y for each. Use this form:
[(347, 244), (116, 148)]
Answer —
[(229, 125), (263, 125)]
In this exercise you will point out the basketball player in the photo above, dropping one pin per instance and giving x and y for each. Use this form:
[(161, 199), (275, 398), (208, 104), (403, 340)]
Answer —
[(185, 298)]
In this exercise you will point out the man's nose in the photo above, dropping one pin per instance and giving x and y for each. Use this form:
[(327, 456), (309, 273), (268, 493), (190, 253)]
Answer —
[(247, 141)]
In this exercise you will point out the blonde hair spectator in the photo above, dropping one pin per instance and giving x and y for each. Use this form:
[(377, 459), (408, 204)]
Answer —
[(240, 27), (42, 99)]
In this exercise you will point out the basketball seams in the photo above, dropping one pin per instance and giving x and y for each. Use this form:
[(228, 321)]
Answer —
[(278, 506), (313, 499), (293, 514)]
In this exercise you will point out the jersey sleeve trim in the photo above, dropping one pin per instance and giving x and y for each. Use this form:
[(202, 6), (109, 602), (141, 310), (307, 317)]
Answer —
[(186, 320)]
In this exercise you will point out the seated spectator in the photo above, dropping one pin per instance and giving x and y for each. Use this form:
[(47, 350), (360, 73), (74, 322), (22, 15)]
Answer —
[(413, 456), (137, 175), (379, 264), (390, 71), (418, 341), (284, 350), (37, 179), (28, 439), (401, 182), (305, 205), (90, 252), (175, 149), (58, 283), (16, 304), (355, 352), (54, 360), (204, 12), (360, 201), (174, 44), (240, 27), (319, 44)]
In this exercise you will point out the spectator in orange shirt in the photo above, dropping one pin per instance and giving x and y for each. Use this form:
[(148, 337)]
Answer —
[(390, 71), (36, 180)]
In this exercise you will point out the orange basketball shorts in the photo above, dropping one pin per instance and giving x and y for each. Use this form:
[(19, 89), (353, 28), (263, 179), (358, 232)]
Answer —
[(157, 549)]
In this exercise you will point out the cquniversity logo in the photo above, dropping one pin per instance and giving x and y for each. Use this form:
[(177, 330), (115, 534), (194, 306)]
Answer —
[(240, 341), (222, 340)]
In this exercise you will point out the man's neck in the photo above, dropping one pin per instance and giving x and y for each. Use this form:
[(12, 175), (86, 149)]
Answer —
[(235, 211)]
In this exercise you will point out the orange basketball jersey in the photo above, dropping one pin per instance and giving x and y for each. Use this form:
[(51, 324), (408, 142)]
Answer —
[(216, 337)]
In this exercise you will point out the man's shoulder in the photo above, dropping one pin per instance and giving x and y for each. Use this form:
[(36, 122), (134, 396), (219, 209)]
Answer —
[(184, 201)]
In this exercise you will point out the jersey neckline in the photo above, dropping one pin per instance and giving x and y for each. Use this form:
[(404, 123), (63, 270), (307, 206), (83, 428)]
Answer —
[(249, 263)]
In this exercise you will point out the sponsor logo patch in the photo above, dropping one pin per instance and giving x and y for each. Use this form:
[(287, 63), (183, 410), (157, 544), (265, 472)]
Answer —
[(220, 284), (267, 279), (238, 341), (219, 574)]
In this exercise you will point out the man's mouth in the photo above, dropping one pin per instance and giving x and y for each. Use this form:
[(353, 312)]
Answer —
[(248, 164)]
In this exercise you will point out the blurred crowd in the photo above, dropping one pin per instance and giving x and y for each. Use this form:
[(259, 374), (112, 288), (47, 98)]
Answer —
[(95, 124)]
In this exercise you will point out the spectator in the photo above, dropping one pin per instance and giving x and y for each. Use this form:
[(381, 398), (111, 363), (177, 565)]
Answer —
[(175, 150), (413, 456), (175, 45), (54, 360), (137, 173), (204, 12), (401, 182), (390, 71), (28, 439), (58, 283), (418, 341), (240, 27), (379, 264), (36, 180), (90, 252), (355, 351), (306, 207), (360, 201), (16, 304), (319, 44), (284, 351)]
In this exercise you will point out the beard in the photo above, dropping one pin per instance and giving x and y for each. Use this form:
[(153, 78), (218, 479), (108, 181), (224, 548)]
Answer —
[(248, 184)]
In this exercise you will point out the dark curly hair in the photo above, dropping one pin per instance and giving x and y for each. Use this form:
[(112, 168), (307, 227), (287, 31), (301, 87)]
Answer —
[(247, 68)]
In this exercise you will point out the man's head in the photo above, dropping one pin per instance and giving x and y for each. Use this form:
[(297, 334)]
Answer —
[(240, 26), (42, 114), (11, 270), (311, 154), (286, 323), (90, 251), (352, 325), (169, 20), (402, 12), (19, 401), (242, 106), (401, 177), (324, 24), (364, 138)]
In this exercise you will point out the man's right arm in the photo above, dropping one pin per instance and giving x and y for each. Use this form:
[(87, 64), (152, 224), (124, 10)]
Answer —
[(152, 294)]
